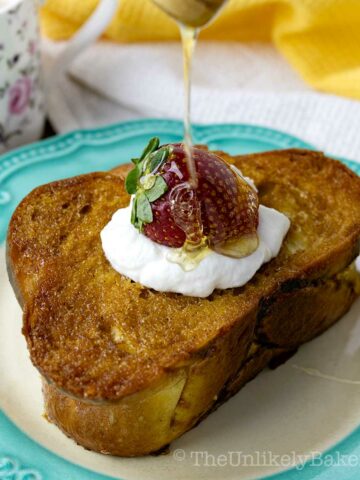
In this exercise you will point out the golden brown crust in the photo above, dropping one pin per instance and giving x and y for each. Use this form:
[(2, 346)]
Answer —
[(325, 221), (103, 341), (146, 421), (74, 301), (39, 227), (149, 420), (278, 321)]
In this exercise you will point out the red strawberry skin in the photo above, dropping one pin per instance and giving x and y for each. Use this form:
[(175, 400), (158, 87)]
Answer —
[(228, 206), (163, 228)]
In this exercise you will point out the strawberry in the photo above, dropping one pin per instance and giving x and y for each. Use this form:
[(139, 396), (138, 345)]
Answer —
[(223, 208)]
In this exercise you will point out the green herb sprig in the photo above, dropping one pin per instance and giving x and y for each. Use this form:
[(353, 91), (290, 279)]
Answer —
[(145, 183)]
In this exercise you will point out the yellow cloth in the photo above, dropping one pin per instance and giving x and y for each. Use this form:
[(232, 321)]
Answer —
[(319, 38)]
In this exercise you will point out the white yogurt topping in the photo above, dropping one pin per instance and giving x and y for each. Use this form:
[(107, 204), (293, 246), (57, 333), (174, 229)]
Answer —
[(137, 257), (357, 264)]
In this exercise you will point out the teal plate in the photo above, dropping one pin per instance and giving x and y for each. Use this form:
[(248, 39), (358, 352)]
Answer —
[(84, 151)]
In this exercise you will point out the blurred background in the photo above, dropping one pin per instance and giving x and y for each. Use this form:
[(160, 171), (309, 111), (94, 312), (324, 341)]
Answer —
[(293, 65)]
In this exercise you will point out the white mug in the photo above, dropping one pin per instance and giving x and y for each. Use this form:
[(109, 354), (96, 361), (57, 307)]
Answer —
[(22, 96)]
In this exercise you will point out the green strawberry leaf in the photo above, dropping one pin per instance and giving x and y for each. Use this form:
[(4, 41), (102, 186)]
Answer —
[(140, 225), (150, 148), (145, 191), (132, 179), (157, 190), (143, 209), (133, 212), (147, 181), (158, 158)]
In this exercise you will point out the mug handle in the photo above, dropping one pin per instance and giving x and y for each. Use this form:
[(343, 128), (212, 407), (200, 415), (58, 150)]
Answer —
[(84, 37)]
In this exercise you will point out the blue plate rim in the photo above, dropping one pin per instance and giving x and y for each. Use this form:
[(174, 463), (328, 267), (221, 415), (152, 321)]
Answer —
[(109, 134)]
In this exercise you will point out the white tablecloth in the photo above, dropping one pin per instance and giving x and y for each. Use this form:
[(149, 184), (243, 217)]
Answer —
[(232, 83)]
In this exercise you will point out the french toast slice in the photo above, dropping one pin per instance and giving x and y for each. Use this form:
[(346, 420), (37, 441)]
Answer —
[(127, 369)]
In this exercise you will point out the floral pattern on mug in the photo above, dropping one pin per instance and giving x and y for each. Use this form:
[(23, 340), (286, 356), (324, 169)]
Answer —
[(19, 96), (21, 93)]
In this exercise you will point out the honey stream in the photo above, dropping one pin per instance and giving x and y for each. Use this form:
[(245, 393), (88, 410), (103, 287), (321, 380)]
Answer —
[(191, 15)]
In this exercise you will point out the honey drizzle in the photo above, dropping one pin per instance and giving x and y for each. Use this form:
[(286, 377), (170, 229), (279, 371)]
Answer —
[(313, 372), (186, 211), (191, 15), (189, 38), (185, 207)]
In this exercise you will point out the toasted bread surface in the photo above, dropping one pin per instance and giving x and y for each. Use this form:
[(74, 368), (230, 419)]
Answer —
[(149, 420), (127, 369), (98, 335)]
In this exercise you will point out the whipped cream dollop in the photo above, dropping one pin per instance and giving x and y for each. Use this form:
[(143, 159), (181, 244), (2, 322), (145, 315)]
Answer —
[(137, 257)]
